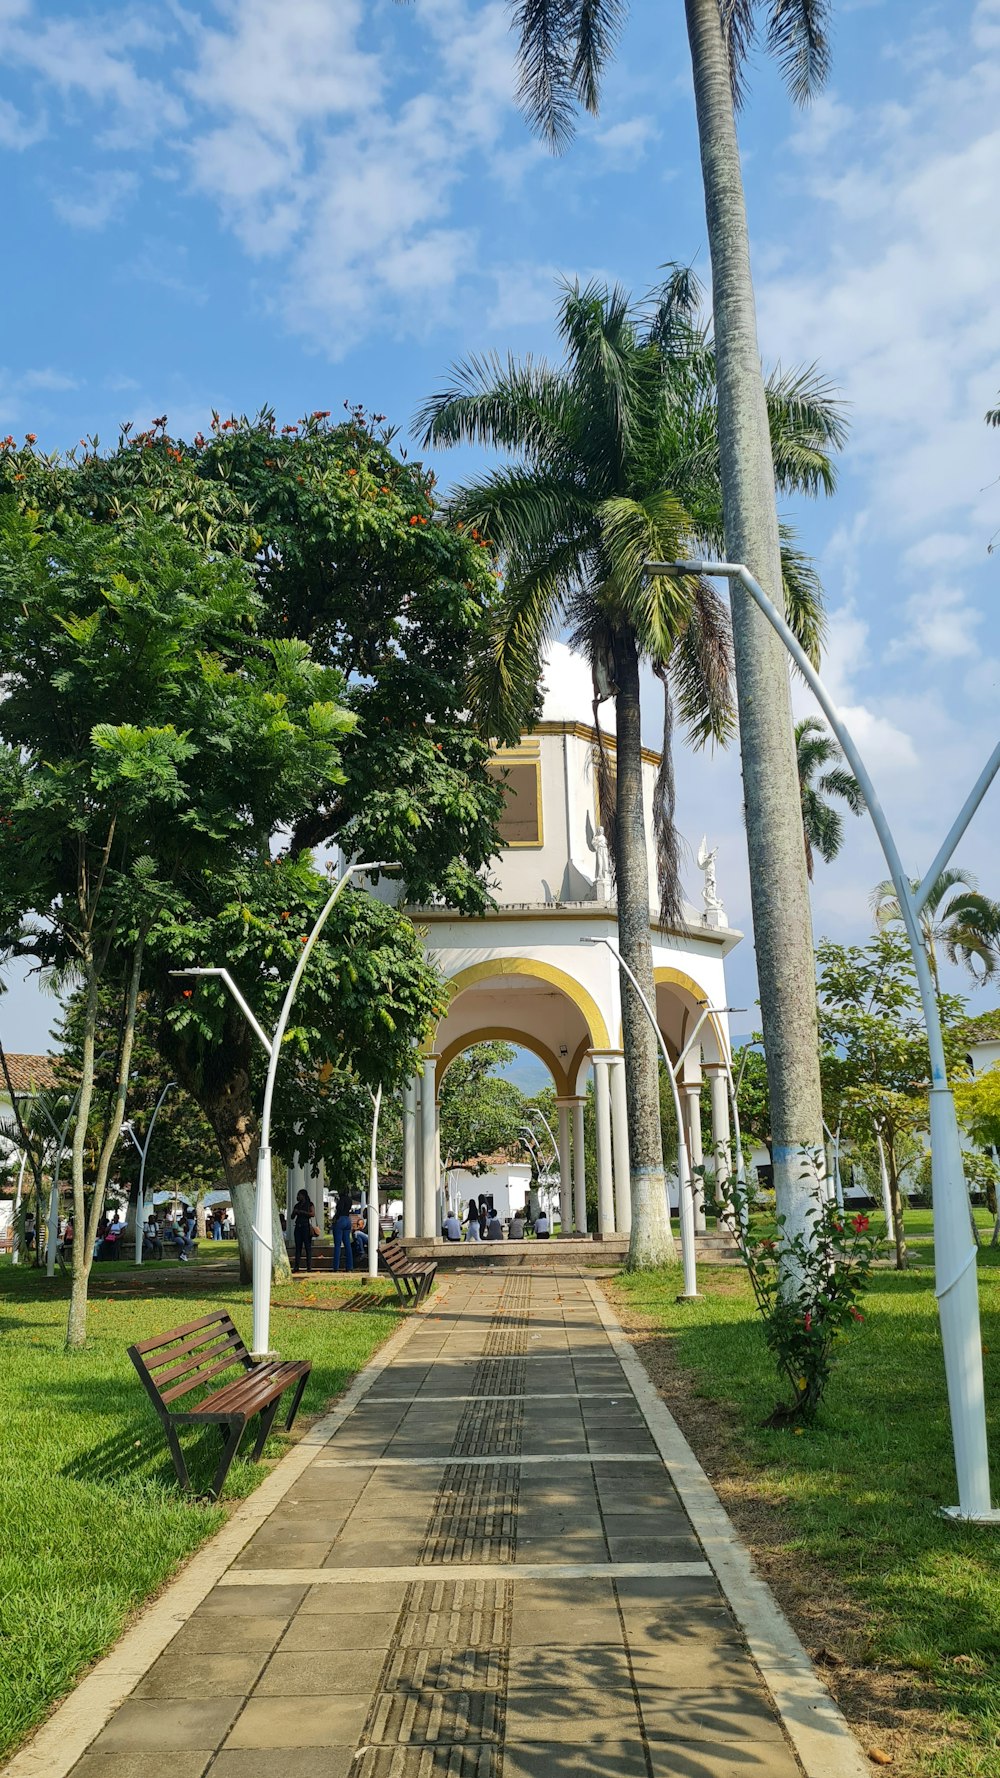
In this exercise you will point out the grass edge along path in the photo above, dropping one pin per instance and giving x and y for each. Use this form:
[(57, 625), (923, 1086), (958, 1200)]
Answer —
[(900, 1608), (92, 1522)]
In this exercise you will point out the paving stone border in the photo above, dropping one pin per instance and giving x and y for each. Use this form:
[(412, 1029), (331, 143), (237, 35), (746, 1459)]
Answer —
[(816, 1727)]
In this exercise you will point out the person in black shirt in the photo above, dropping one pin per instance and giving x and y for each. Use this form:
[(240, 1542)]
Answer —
[(303, 1228), (342, 1232)]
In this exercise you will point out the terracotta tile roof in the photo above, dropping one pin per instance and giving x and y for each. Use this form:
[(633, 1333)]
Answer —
[(984, 1029), (28, 1073)]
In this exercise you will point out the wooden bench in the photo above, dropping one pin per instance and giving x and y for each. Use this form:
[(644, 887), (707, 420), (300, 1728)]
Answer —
[(412, 1277), (172, 1365)]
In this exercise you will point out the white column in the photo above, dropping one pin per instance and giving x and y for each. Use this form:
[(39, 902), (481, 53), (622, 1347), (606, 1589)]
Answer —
[(619, 1138), (605, 1180), (439, 1210), (719, 1089), (691, 1098), (410, 1158), (565, 1168), (428, 1149), (579, 1168)]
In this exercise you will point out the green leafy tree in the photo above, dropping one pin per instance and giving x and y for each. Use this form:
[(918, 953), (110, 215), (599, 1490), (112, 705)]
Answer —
[(753, 1098), (145, 736), (565, 46), (367, 997), (822, 775), (481, 1111), (977, 1102), (183, 1156), (350, 556), (616, 463), (956, 918), (871, 1018)]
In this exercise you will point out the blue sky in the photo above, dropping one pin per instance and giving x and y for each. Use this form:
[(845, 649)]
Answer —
[(328, 201)]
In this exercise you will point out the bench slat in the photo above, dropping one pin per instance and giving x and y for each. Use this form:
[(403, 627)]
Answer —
[(179, 1333), (236, 1397), (229, 1342), (195, 1382)]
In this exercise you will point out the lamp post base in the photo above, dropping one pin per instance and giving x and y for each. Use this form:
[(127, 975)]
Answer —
[(990, 1517), (690, 1296)]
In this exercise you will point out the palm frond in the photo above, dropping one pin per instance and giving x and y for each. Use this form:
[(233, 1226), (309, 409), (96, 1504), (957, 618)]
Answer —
[(993, 416), (807, 422), (668, 864), (803, 594), (797, 37), (505, 403), (521, 510), (546, 50), (739, 27), (635, 532), (844, 784), (598, 29), (701, 668), (673, 322), (597, 325), (503, 685)]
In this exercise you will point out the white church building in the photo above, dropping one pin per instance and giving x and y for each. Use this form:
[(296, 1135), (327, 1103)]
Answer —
[(521, 972)]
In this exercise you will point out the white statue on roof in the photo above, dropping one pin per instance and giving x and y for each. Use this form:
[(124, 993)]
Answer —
[(713, 915)]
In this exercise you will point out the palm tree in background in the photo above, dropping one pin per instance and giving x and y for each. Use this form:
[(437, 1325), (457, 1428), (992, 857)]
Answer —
[(616, 462), (822, 824), (965, 924), (564, 48)]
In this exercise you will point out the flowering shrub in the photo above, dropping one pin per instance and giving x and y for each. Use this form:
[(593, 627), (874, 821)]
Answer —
[(807, 1289)]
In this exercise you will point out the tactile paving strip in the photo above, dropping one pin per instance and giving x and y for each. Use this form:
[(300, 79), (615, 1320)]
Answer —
[(474, 1517), (440, 1706), (507, 1335)]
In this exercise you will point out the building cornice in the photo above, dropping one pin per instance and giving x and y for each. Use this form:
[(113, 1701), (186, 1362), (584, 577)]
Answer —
[(726, 937)]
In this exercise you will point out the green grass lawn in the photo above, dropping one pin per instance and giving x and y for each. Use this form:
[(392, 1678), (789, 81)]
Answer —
[(92, 1519), (855, 1498)]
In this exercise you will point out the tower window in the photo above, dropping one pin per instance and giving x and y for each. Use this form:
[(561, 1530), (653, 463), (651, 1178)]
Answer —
[(521, 821)]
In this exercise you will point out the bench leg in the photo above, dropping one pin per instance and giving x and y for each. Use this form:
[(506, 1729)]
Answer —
[(296, 1399), (177, 1454), (232, 1445), (399, 1291), (266, 1422)]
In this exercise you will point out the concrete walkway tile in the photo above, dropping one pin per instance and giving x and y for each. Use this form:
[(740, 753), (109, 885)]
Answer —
[(584, 1547), (649, 1521), (348, 1629), (609, 1756), (655, 1549), (181, 1674), (286, 1552), (718, 1713), (141, 1765), (211, 1633), (147, 1724), (385, 1552), (661, 1667), (252, 1601), (331, 1720), (296, 1762), (323, 1670), (580, 1717), (378, 1596), (721, 1759), (568, 1668)]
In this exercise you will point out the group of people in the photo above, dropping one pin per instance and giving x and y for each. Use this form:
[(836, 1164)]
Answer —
[(350, 1232), (483, 1224)]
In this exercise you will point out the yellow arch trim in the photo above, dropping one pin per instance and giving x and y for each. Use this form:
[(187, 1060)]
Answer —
[(506, 1034), (664, 974), (543, 972)]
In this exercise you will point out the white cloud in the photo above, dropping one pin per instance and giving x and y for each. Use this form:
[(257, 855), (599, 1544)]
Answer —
[(97, 200), (940, 623), (95, 57), (16, 131), (55, 381), (626, 142)]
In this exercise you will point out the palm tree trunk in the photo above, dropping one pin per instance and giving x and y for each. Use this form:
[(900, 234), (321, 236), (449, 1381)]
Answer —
[(652, 1241), (779, 889)]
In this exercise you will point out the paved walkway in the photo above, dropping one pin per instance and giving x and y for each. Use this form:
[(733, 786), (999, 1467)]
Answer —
[(486, 1573)]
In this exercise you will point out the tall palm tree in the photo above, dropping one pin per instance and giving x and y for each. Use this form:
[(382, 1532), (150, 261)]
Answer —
[(616, 461), (822, 824), (564, 47), (965, 927)]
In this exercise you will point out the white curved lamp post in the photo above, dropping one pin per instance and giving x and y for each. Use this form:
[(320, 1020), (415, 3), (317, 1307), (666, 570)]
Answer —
[(956, 1286), (143, 1148), (262, 1247)]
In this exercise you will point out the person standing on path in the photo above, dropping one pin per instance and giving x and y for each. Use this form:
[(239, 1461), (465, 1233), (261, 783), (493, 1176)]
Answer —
[(342, 1232), (303, 1228), (472, 1222)]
